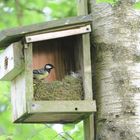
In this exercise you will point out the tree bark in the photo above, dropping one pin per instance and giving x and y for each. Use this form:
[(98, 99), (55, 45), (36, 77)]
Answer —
[(19, 12), (116, 70)]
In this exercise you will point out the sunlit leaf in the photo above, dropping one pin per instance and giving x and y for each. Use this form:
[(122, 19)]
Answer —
[(137, 5), (68, 127)]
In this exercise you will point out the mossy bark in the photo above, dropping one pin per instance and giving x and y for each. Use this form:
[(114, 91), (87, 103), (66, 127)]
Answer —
[(116, 70)]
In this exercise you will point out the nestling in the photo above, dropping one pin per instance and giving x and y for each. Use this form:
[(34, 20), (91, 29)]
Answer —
[(42, 73)]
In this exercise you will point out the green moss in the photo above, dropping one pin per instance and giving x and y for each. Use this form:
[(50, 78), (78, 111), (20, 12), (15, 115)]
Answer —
[(70, 88)]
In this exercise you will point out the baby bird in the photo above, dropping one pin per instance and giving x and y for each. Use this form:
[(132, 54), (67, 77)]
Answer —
[(42, 73)]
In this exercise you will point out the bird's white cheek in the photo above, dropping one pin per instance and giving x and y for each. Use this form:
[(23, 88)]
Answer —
[(48, 67)]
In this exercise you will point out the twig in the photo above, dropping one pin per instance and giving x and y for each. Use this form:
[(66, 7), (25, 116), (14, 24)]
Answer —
[(60, 134)]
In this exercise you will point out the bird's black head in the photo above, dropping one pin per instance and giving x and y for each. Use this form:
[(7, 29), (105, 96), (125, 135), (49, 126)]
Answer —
[(48, 67)]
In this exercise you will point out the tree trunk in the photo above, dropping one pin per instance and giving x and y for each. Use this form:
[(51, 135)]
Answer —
[(116, 70)]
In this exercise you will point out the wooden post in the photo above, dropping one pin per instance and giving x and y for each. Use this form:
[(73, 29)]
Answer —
[(82, 7), (89, 128), (88, 122)]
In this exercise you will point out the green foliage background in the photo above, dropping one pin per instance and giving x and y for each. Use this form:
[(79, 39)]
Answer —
[(23, 12)]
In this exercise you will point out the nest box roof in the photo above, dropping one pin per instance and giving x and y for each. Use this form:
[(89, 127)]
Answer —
[(16, 34)]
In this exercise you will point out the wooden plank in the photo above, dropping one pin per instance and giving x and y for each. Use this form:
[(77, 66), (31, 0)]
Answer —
[(55, 117), (16, 34), (61, 106), (18, 96), (62, 118), (82, 7), (87, 74), (22, 86), (89, 127), (89, 121), (58, 34), (11, 62), (28, 71)]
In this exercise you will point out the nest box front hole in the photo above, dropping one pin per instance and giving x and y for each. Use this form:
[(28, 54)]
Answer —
[(62, 53), (65, 54)]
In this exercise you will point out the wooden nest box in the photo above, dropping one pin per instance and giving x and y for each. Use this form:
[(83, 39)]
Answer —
[(55, 99)]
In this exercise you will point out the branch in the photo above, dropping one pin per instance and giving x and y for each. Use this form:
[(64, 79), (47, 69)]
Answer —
[(20, 6), (60, 134), (19, 12), (35, 10)]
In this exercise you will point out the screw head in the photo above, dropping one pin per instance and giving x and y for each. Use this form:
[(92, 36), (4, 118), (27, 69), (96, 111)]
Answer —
[(33, 105), (29, 39)]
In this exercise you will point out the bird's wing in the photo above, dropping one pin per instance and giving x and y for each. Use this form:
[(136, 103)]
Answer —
[(39, 71)]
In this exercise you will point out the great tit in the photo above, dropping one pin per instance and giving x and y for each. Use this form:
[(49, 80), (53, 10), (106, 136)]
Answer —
[(42, 73)]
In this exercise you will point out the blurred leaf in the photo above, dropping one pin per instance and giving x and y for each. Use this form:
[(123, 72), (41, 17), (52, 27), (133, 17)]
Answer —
[(3, 137), (34, 12), (113, 2), (78, 134), (68, 127), (137, 5)]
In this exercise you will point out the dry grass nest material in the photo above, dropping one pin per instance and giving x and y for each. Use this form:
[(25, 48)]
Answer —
[(70, 88)]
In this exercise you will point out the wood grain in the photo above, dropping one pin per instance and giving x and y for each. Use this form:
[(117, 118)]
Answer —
[(58, 34)]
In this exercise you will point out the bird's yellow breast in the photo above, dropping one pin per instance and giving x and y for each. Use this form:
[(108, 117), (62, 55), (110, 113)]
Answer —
[(41, 76)]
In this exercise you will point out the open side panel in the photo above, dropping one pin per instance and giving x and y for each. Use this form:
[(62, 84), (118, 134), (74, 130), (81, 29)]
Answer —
[(63, 53), (71, 57), (65, 81)]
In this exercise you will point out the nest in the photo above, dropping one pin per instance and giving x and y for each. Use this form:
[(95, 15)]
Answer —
[(70, 88)]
